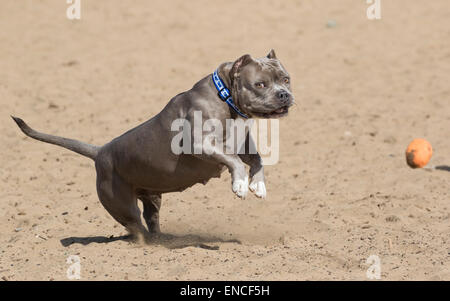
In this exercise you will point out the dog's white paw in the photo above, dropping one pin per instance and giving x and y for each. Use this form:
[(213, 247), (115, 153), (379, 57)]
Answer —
[(259, 188), (240, 187)]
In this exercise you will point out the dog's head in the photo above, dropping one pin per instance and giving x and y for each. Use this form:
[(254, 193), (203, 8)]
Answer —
[(261, 87)]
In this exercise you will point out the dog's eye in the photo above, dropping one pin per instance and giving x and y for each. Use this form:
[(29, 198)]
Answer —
[(260, 85), (287, 80)]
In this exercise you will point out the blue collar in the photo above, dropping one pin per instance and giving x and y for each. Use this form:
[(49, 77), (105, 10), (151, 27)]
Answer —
[(224, 93)]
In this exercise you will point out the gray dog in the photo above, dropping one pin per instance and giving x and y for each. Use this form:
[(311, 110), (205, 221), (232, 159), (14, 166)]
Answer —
[(140, 164)]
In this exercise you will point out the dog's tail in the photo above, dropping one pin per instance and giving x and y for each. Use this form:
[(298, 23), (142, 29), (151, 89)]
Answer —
[(82, 148)]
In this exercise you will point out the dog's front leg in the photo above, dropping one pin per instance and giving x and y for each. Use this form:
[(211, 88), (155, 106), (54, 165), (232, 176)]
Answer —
[(233, 162), (235, 166), (251, 157)]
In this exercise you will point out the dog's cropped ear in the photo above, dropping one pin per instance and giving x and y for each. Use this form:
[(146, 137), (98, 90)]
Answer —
[(239, 63), (272, 54)]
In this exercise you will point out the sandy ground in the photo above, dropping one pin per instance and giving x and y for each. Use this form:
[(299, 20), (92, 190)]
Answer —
[(340, 193)]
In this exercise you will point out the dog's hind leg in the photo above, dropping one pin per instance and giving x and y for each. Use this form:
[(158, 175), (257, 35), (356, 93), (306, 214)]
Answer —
[(120, 200), (152, 204)]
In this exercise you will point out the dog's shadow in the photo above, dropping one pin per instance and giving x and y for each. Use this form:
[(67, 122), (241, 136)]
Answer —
[(169, 241), (92, 239), (443, 167)]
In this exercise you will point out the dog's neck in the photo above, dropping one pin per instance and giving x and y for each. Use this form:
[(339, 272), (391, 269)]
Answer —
[(224, 72)]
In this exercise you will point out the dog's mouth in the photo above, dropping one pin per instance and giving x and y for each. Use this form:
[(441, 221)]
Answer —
[(280, 112)]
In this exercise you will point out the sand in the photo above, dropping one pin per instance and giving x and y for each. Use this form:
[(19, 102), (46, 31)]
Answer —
[(340, 193)]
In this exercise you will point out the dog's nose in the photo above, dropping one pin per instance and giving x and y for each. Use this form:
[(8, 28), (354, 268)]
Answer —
[(283, 95)]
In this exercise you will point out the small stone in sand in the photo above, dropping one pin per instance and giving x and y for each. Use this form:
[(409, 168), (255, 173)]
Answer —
[(392, 218), (331, 24)]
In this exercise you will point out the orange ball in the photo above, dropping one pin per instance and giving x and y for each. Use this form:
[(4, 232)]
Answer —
[(418, 153)]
